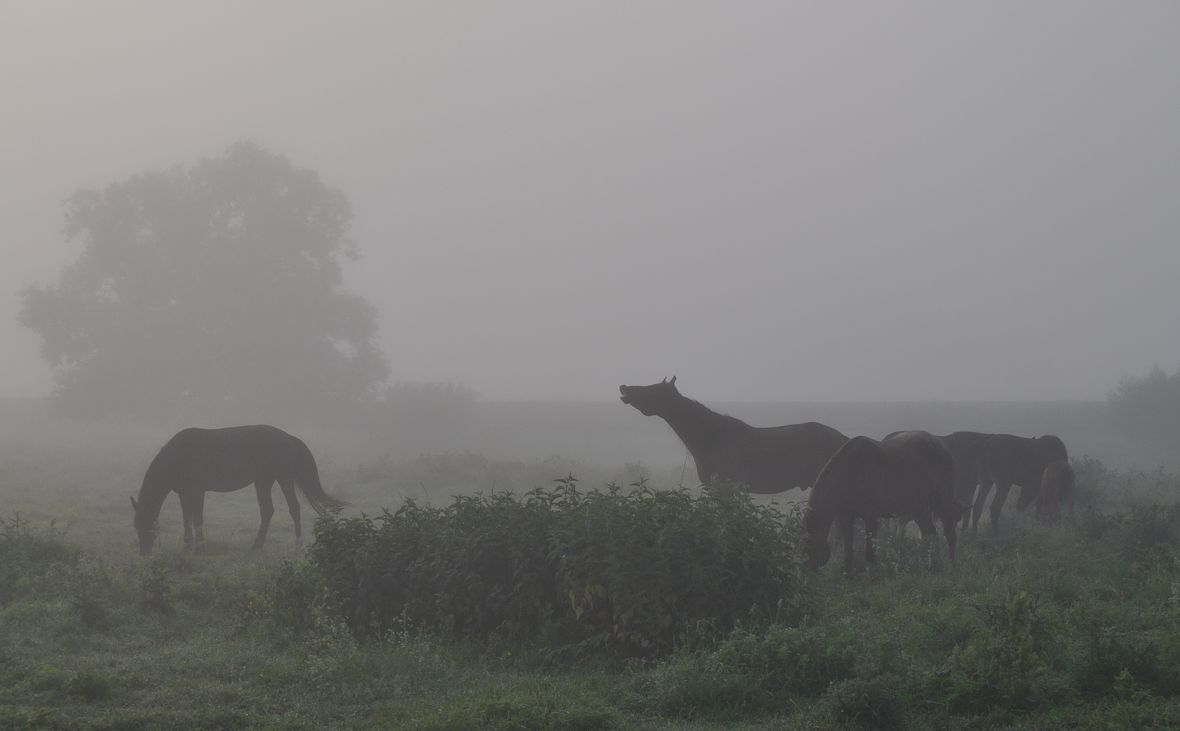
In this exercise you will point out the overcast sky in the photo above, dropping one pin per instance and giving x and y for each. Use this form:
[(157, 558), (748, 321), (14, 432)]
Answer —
[(773, 200)]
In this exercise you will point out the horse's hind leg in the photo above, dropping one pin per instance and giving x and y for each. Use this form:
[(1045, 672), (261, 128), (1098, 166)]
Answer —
[(948, 529), (266, 509), (926, 526), (998, 505), (288, 488)]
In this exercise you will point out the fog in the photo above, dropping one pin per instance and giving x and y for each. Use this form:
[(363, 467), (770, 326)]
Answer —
[(804, 201)]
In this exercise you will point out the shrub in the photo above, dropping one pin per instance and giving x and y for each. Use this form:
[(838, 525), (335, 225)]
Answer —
[(631, 573), (1004, 666), (871, 703)]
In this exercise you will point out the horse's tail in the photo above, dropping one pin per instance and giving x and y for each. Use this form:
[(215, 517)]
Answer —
[(308, 482)]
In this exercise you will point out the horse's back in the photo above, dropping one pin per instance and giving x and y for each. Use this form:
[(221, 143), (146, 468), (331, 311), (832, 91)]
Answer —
[(229, 458), (1021, 460), (773, 459)]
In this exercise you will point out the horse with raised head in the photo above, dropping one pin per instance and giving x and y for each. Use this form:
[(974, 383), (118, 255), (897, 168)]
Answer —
[(766, 460), (196, 461), (910, 475), (1023, 461)]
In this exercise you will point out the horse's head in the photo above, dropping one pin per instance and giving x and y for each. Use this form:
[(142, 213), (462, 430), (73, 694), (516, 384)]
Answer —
[(653, 400), (1050, 448), (145, 526), (1047, 450), (1057, 488)]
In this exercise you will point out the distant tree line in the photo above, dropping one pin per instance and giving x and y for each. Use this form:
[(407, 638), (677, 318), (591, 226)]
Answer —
[(1148, 407)]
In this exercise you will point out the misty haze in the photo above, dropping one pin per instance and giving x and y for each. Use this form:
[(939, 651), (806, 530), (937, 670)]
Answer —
[(589, 365)]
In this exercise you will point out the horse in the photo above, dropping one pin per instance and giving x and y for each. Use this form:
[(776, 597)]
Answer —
[(969, 451), (1023, 461), (1058, 490), (910, 475), (196, 461), (766, 460)]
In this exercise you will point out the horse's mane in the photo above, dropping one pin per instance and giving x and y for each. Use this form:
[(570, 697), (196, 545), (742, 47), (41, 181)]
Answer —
[(697, 409)]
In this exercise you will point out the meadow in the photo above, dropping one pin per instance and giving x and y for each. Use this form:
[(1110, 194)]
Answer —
[(1067, 626)]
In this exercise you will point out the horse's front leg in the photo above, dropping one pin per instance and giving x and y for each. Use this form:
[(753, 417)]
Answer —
[(186, 513), (977, 509), (199, 519), (870, 536), (266, 509), (844, 520)]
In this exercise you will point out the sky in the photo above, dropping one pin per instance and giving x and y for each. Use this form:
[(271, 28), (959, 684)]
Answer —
[(771, 200)]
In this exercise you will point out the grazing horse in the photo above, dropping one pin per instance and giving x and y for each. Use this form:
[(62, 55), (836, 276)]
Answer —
[(1023, 461), (969, 450), (1058, 489), (910, 475), (766, 460), (196, 461)]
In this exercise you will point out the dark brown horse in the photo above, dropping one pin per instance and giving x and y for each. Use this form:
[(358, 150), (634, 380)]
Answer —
[(766, 460), (1022, 461), (1058, 490), (910, 475), (969, 451), (196, 461)]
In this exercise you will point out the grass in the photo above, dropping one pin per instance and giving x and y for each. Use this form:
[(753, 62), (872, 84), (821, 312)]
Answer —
[(1072, 626)]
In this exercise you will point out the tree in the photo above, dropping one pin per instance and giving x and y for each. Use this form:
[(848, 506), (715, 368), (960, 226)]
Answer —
[(208, 289), (1148, 408)]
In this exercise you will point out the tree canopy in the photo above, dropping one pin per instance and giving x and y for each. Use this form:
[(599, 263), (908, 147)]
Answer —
[(208, 289), (1148, 407)]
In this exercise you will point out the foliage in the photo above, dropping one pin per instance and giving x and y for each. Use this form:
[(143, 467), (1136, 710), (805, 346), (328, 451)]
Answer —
[(214, 287), (28, 553), (1075, 625), (750, 673), (622, 572), (1148, 407)]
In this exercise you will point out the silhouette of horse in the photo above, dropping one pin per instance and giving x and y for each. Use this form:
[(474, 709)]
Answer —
[(969, 451), (1022, 461), (766, 460), (196, 461), (910, 475), (1058, 490)]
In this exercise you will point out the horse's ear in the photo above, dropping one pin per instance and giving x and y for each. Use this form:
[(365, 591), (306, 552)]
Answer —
[(134, 505), (665, 380), (672, 382)]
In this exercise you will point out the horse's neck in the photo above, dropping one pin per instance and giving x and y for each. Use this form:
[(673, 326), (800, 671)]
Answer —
[(151, 498), (698, 426)]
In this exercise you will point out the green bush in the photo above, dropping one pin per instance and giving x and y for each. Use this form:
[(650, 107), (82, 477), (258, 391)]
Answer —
[(1004, 667), (628, 573), (872, 703)]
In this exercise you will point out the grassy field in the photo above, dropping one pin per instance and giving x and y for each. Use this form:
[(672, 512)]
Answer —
[(1073, 626)]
